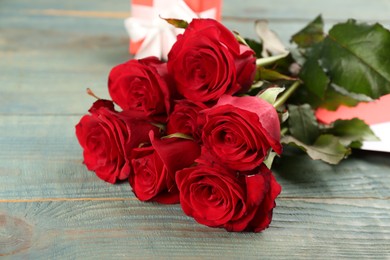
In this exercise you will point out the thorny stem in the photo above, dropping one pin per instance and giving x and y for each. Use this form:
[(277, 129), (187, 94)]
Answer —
[(283, 98)]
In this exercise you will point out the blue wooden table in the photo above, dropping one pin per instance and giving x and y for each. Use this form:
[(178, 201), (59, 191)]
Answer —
[(51, 207)]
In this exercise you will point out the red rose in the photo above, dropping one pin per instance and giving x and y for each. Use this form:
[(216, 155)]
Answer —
[(107, 138), (207, 62), (239, 132), (217, 197), (155, 167), (184, 118), (142, 85)]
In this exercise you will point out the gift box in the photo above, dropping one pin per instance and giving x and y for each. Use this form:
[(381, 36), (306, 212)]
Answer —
[(150, 35)]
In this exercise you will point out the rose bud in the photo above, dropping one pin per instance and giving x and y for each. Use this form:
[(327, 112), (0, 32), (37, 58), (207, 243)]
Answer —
[(107, 138), (239, 132), (218, 197), (155, 167), (207, 61), (184, 118)]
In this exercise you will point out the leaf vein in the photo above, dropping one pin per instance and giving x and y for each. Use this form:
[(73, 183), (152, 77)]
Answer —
[(354, 54)]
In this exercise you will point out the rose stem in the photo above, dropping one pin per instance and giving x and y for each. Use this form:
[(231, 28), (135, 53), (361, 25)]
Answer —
[(283, 98), (283, 131)]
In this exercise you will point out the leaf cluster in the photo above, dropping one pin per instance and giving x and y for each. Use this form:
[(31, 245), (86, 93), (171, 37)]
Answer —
[(348, 65)]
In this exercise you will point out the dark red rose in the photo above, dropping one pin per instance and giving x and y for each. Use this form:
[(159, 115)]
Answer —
[(246, 68), (107, 138), (184, 118), (207, 62), (142, 85), (218, 197), (102, 103), (239, 132), (155, 167)]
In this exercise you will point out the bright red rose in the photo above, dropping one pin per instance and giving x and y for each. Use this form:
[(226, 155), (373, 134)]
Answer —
[(155, 167), (142, 85), (218, 197), (184, 118), (239, 132), (207, 62), (107, 138)]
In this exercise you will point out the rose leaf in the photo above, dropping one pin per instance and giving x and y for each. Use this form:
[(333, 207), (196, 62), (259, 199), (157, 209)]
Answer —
[(178, 23), (352, 132), (271, 75), (332, 98), (256, 46), (270, 94), (303, 123), (326, 148), (311, 34), (272, 45), (314, 78), (270, 159), (178, 135), (356, 58)]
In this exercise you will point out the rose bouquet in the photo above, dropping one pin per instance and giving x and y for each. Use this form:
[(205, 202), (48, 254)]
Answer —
[(202, 128)]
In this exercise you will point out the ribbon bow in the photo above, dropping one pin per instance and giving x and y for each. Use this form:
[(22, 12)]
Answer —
[(158, 35)]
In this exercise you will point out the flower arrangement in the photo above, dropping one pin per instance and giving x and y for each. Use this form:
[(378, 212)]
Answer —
[(202, 128)]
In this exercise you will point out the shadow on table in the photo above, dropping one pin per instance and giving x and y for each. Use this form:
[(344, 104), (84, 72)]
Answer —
[(363, 174)]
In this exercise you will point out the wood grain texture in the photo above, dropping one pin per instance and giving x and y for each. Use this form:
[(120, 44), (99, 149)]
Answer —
[(15, 236), (131, 229), (51, 207)]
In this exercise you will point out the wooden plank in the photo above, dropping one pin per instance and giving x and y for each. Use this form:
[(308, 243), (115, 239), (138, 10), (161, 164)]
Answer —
[(254, 9), (280, 10), (129, 229), (85, 5), (55, 77), (41, 158)]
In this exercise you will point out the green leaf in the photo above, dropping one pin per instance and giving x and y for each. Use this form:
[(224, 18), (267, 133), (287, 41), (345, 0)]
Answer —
[(270, 75), (239, 38), (287, 94), (283, 116), (357, 58), (311, 34), (271, 42), (270, 159), (161, 127), (257, 47), (303, 123), (178, 23), (326, 148), (332, 98), (270, 94), (314, 78), (178, 135), (352, 132), (271, 60)]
